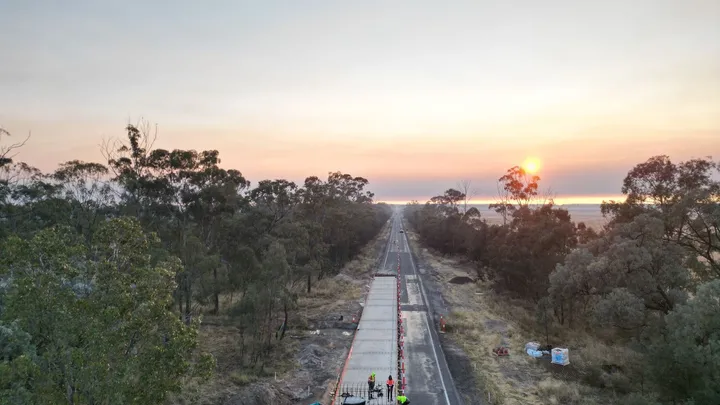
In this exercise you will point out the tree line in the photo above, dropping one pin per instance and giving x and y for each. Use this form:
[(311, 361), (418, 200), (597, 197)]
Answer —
[(106, 267), (650, 278)]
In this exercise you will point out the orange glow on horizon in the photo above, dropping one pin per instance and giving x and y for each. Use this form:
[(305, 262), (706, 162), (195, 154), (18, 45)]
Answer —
[(560, 200)]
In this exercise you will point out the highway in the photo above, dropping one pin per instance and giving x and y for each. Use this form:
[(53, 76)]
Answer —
[(374, 348), (427, 373), (375, 344)]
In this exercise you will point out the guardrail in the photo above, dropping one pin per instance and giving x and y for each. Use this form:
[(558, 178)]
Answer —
[(362, 390)]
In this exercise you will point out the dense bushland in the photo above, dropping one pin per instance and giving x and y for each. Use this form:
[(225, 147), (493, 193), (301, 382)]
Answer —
[(105, 267), (649, 280)]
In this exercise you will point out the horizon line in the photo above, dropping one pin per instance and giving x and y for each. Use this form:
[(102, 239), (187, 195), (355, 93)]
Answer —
[(560, 200)]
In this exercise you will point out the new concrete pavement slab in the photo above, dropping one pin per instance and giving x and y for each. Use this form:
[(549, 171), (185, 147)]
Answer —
[(375, 348), (375, 345)]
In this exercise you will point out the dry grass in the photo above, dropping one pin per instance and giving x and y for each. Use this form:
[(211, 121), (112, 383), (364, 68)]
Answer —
[(335, 294), (220, 337), (481, 320), (328, 291), (230, 376), (328, 296), (559, 392)]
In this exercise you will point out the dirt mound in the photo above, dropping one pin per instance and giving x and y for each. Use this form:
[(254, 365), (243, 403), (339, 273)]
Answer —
[(461, 280), (310, 356), (320, 358), (332, 321)]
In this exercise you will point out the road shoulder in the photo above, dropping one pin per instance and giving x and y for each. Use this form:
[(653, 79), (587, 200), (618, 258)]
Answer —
[(459, 363)]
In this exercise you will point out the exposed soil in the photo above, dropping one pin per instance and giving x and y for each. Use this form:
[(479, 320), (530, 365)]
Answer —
[(461, 280)]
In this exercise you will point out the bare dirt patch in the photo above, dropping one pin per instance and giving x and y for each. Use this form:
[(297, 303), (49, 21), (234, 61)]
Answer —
[(461, 280), (305, 365), (479, 320)]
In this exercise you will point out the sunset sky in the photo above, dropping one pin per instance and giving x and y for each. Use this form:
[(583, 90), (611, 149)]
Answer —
[(414, 95)]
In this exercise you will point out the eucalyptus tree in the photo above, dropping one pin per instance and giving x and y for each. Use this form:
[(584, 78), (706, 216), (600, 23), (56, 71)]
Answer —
[(92, 324)]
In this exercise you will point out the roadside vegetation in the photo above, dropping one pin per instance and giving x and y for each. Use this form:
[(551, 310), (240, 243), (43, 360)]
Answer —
[(636, 302), (107, 271)]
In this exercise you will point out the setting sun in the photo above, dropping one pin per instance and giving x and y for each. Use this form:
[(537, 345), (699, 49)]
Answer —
[(531, 165)]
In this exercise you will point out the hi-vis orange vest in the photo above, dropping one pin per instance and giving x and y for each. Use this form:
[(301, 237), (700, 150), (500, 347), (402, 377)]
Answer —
[(390, 382)]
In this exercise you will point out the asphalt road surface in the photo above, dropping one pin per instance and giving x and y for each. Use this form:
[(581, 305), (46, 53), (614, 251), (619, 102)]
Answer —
[(427, 374)]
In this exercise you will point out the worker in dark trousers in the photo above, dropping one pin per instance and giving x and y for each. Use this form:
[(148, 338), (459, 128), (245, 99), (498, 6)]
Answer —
[(390, 385), (371, 385)]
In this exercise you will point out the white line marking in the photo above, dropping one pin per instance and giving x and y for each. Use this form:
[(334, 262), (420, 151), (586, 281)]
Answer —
[(427, 324)]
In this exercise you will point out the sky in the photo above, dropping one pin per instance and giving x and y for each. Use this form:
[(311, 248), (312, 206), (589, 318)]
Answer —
[(413, 95)]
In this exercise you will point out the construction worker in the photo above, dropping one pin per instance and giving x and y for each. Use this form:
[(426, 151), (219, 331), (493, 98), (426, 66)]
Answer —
[(390, 385), (371, 385), (402, 400)]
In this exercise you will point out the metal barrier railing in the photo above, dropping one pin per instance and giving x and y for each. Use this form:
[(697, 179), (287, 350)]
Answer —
[(362, 390)]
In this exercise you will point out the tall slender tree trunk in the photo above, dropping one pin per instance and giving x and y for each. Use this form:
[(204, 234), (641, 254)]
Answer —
[(188, 297), (216, 295), (285, 322), (180, 304)]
